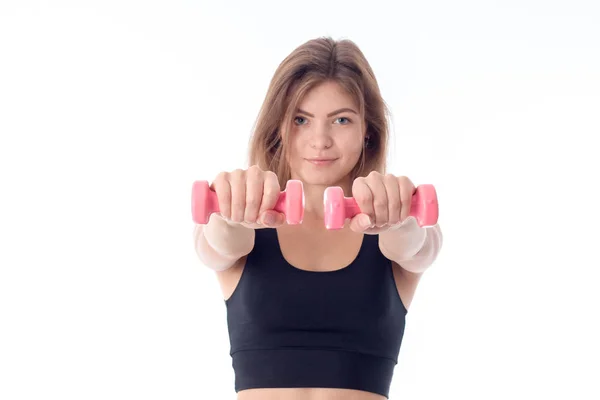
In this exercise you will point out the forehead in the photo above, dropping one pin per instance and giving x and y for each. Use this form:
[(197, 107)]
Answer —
[(327, 96)]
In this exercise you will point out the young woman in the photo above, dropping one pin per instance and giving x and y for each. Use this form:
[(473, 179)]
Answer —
[(316, 314)]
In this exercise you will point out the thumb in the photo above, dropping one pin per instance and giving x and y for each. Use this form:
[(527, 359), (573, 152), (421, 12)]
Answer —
[(360, 222), (272, 218)]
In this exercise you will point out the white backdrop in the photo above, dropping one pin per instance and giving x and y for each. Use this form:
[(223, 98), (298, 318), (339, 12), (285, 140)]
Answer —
[(109, 110)]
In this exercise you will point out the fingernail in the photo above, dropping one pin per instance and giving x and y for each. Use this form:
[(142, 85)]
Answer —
[(269, 219), (365, 221)]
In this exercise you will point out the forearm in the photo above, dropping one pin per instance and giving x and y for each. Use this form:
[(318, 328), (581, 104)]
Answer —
[(414, 248), (220, 244)]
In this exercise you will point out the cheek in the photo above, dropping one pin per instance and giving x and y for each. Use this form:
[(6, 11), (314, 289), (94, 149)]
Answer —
[(355, 157), (353, 153), (354, 148), (294, 146), (295, 151)]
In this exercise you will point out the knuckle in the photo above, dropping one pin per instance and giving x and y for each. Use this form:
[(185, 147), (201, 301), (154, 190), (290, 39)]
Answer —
[(380, 204), (389, 178), (364, 198), (223, 175), (221, 179), (270, 175), (272, 183), (237, 173), (374, 175), (394, 203), (254, 171), (270, 191), (255, 167), (404, 181), (358, 182), (252, 202)]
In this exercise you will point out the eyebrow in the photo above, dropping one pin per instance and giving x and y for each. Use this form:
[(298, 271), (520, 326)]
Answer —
[(331, 114)]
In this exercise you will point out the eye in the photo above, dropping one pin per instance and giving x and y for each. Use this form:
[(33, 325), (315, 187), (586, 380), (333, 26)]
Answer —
[(347, 121), (302, 120)]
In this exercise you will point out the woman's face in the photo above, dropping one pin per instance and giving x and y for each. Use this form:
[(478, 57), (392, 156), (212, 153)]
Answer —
[(327, 136)]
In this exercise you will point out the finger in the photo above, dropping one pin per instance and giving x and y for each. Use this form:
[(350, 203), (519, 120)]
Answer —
[(222, 188), (407, 189), (380, 200), (361, 223), (364, 197), (392, 188), (271, 193), (254, 193), (272, 219), (238, 195)]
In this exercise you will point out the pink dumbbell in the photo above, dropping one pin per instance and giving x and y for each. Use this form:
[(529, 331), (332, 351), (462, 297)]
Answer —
[(290, 202), (424, 206)]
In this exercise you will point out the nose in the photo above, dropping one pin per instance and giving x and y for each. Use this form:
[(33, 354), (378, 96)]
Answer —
[(320, 137)]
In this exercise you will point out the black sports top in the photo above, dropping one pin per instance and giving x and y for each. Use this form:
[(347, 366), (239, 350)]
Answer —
[(292, 328)]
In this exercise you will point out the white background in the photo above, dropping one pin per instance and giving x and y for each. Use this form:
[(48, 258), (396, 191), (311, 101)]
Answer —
[(109, 110)]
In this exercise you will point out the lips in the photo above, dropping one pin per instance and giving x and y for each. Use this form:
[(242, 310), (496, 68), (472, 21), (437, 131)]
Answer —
[(321, 161), (321, 158)]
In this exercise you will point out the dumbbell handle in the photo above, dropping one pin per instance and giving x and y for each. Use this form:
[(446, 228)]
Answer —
[(290, 202), (424, 207)]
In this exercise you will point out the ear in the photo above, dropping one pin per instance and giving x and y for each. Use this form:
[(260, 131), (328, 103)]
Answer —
[(366, 134)]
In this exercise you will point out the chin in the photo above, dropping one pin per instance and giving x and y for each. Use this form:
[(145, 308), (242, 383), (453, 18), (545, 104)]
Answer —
[(324, 174), (322, 178)]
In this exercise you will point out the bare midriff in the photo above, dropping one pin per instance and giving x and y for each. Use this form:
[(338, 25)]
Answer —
[(307, 394)]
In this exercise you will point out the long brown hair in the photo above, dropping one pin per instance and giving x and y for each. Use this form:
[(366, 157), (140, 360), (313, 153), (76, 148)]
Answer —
[(314, 62)]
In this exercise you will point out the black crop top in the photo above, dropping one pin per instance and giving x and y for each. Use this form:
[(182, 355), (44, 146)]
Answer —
[(292, 328)]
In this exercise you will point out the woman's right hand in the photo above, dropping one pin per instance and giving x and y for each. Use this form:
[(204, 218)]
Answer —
[(247, 197)]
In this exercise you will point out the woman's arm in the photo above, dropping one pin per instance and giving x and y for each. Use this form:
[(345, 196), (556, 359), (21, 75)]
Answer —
[(220, 244), (412, 247)]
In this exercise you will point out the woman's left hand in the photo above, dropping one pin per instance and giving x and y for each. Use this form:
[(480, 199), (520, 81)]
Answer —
[(384, 201)]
